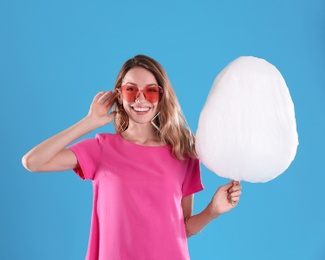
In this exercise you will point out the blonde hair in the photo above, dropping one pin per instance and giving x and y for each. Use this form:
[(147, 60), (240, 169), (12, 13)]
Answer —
[(173, 128)]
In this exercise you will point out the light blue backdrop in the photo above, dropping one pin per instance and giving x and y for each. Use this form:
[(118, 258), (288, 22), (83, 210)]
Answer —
[(55, 55)]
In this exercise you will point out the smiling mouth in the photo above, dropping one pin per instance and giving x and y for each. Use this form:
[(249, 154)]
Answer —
[(141, 109)]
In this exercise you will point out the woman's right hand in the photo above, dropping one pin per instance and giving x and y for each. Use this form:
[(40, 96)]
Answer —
[(100, 107), (52, 154)]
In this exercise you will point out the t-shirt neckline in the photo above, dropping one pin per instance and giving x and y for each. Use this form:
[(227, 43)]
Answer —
[(141, 145)]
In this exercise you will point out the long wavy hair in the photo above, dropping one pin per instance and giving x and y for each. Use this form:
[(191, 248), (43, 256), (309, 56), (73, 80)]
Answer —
[(173, 128)]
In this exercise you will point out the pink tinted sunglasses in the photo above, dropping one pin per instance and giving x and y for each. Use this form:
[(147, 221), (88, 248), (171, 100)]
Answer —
[(131, 92)]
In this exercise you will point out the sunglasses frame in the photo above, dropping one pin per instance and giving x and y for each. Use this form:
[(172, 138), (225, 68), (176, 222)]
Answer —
[(139, 91)]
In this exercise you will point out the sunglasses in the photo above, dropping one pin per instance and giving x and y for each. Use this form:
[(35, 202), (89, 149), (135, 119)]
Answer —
[(131, 92)]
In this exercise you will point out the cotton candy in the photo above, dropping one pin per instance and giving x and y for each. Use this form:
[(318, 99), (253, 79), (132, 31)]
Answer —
[(247, 127)]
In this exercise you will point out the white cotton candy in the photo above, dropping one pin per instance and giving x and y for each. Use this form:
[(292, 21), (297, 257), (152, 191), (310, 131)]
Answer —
[(247, 127)]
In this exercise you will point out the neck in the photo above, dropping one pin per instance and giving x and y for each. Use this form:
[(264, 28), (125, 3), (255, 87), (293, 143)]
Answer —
[(143, 134)]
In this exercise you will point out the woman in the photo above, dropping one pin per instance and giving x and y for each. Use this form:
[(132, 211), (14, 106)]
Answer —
[(144, 176)]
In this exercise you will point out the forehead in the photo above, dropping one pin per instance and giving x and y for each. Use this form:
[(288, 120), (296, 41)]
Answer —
[(139, 76)]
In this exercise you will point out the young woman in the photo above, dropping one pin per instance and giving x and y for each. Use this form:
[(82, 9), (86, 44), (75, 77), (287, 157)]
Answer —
[(144, 176)]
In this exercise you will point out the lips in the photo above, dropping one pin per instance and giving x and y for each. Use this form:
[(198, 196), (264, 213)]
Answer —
[(141, 109)]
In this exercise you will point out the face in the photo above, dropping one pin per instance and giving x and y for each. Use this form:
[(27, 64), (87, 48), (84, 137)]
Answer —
[(140, 95)]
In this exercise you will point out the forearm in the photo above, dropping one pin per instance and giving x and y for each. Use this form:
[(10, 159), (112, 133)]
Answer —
[(38, 157), (196, 223), (225, 199)]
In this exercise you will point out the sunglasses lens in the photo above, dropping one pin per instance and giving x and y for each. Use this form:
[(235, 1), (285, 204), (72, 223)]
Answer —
[(151, 93), (129, 93)]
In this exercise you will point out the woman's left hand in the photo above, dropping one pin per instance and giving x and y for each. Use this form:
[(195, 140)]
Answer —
[(226, 198)]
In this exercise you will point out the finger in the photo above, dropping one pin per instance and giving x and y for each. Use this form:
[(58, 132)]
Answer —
[(111, 99), (227, 186), (233, 198), (235, 188), (235, 193), (98, 95), (234, 202), (112, 115), (103, 98)]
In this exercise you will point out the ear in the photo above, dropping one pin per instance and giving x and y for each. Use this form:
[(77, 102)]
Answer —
[(119, 99)]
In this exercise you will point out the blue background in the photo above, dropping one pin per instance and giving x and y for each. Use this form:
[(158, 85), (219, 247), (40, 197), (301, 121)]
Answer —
[(56, 55)]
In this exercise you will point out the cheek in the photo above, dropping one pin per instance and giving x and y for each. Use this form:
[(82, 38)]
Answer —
[(156, 108), (125, 105), (159, 106)]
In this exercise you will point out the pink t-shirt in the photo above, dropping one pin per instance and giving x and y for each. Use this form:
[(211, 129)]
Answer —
[(137, 193)]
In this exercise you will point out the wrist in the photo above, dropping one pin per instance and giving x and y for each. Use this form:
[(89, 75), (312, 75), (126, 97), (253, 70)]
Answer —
[(90, 123), (212, 211)]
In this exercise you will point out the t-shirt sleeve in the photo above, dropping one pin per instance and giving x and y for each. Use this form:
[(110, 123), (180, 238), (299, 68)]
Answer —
[(192, 182), (88, 153)]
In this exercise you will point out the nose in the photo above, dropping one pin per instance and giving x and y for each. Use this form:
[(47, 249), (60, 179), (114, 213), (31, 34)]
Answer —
[(140, 96)]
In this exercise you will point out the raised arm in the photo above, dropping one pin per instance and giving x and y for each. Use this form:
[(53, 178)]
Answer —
[(226, 198), (52, 154)]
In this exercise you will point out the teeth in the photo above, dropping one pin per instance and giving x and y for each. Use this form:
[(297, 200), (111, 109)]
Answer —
[(141, 109)]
